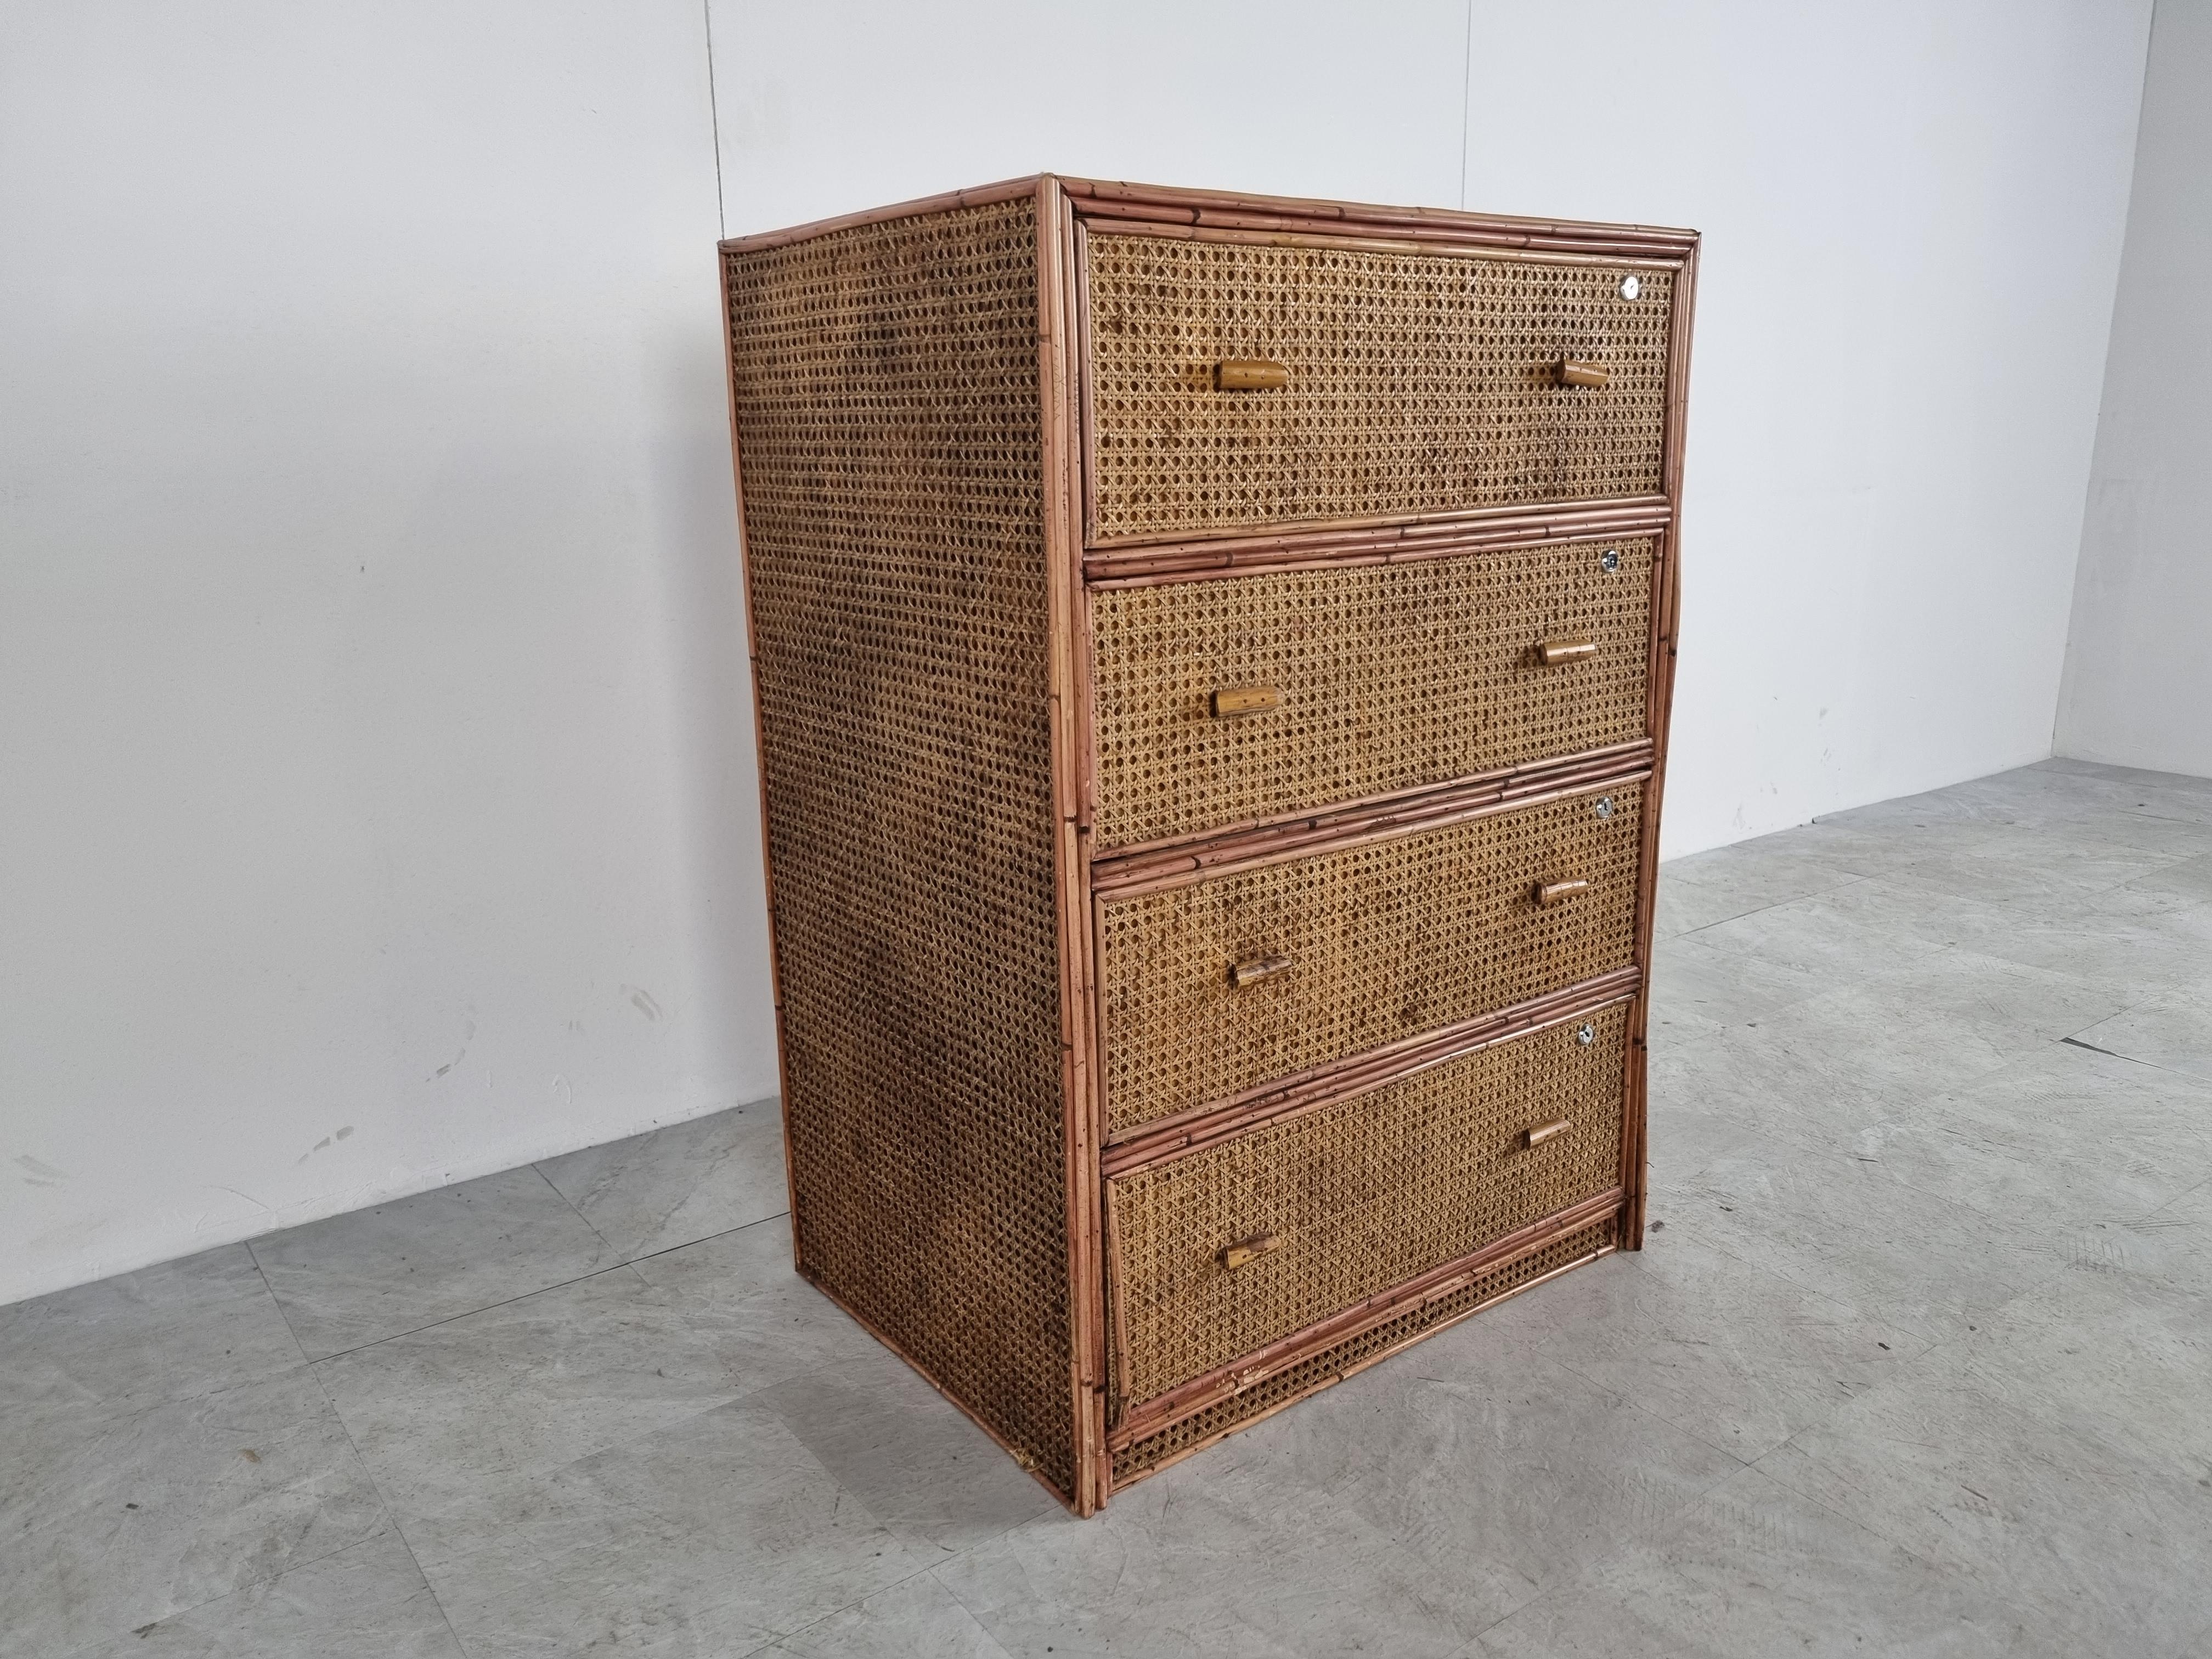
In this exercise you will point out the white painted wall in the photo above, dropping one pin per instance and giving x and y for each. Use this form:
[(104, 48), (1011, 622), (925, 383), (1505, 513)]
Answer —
[(371, 689), (1913, 216), (373, 759), (2139, 662)]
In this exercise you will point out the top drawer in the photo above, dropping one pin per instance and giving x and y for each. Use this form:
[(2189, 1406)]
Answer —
[(1416, 383)]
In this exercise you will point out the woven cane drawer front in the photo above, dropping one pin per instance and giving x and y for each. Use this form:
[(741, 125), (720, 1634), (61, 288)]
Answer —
[(1416, 383), (1358, 1197), (1390, 677), (1379, 943)]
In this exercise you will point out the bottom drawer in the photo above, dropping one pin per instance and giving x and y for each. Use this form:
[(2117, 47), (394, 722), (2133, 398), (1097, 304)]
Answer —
[(1336, 1205), (1150, 1450)]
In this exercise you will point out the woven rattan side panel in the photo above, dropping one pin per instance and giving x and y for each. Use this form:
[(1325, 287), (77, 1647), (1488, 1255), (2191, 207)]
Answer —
[(1364, 1195), (1385, 941), (1392, 676), (1334, 1363), (1418, 383), (886, 387)]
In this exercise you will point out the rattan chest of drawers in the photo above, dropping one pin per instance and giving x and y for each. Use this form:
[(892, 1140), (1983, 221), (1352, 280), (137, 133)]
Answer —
[(1211, 660)]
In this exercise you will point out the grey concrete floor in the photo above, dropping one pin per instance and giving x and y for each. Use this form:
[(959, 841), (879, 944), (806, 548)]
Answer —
[(1919, 1359)]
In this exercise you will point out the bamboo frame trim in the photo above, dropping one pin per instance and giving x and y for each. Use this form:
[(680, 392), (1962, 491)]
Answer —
[(1104, 201), (1117, 1304), (1659, 691), (1636, 1051), (760, 771), (1087, 486), (1165, 1411), (1069, 703), (1132, 562), (1128, 871), (1261, 230), (1077, 913), (1096, 197), (1006, 190), (1358, 1366), (1280, 1099)]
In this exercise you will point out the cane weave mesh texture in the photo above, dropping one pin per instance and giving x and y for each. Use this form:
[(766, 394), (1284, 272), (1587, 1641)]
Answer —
[(1334, 1363), (1386, 941), (888, 430), (1418, 383), (1392, 676), (1364, 1195)]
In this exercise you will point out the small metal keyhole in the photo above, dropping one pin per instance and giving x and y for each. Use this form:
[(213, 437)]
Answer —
[(1609, 561), (1586, 1034), (1630, 287), (1604, 807)]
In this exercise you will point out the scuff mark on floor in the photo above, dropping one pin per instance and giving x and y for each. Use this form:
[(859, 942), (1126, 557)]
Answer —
[(38, 1173), (2076, 1043)]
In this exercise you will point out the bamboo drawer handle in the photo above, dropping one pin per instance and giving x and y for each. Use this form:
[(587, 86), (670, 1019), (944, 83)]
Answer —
[(1251, 375), (1574, 374), (1232, 700), (1552, 652), (1544, 1131), (1246, 1251), (1242, 974), (1549, 893)]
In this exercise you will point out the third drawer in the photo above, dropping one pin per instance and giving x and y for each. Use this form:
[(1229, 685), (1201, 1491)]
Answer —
[(1213, 988), (1241, 699)]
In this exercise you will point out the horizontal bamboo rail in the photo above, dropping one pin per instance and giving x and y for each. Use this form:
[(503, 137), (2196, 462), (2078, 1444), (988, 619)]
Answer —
[(1132, 870), (1283, 1099), (1133, 563)]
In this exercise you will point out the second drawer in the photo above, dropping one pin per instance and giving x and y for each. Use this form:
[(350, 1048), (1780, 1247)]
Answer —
[(1360, 681), (1211, 989)]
